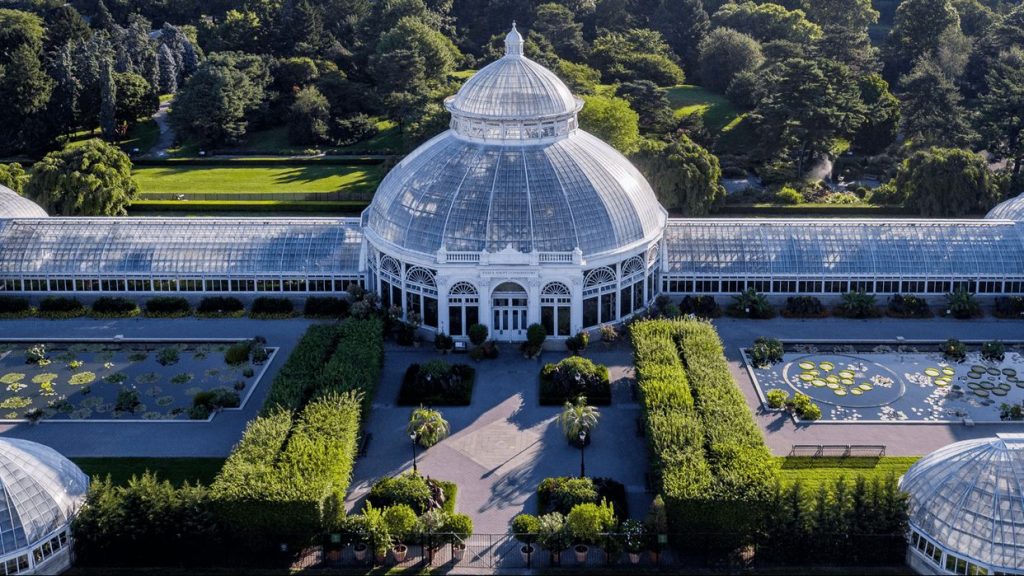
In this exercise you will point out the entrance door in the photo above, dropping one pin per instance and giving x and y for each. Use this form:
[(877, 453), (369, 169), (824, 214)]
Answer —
[(508, 310)]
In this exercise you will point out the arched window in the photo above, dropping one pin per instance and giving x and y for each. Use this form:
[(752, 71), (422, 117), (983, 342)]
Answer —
[(389, 265), (463, 308), (420, 277), (599, 296), (390, 282), (652, 255), (599, 276), (634, 265), (556, 309), (421, 295)]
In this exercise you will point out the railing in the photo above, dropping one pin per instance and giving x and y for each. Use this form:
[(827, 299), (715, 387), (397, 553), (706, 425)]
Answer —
[(838, 450)]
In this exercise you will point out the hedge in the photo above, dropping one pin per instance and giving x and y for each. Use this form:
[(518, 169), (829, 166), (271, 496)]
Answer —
[(412, 490), (114, 307), (14, 307), (288, 390), (593, 383), (167, 307), (271, 308), (220, 307), (325, 307), (417, 390), (356, 362), (562, 494), (60, 307)]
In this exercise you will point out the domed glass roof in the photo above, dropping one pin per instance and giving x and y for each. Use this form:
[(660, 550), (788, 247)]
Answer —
[(512, 88), (968, 497), (522, 180), (1012, 209), (41, 491), (14, 206)]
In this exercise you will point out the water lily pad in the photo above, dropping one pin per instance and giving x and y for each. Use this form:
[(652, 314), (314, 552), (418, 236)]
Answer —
[(1019, 384), (978, 368), (819, 383), (982, 393), (846, 374), (805, 365), (994, 371), (974, 385), (827, 366), (812, 372), (1009, 372), (806, 377), (933, 372), (846, 381), (942, 382), (974, 375), (1000, 392), (856, 391), (832, 378), (839, 392), (987, 384), (949, 372), (866, 387), (833, 385), (1003, 386)]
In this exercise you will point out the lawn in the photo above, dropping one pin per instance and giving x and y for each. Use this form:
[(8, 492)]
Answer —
[(718, 113), (388, 140), (177, 470), (813, 472), (197, 178)]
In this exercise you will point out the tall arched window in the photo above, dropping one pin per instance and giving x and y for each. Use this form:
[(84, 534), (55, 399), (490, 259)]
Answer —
[(631, 287), (463, 308), (421, 295), (390, 282), (556, 309), (599, 296)]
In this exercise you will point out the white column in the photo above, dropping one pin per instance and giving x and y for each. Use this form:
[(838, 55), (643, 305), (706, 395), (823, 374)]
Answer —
[(533, 302), (484, 286), (442, 304), (576, 316)]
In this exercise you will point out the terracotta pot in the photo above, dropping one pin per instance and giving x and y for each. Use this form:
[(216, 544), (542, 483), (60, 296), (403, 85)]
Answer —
[(581, 552), (399, 552), (526, 550), (458, 551), (360, 551), (634, 557)]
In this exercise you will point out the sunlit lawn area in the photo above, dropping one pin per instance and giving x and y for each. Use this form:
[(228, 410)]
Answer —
[(388, 140), (189, 179), (177, 470), (722, 119), (813, 472), (142, 136)]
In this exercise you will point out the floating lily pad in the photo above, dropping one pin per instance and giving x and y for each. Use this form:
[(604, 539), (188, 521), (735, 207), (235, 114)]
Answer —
[(1019, 384), (856, 391), (941, 382), (806, 365), (806, 377), (974, 375), (832, 378), (978, 368), (833, 385), (1009, 372), (949, 372), (933, 372), (827, 366), (839, 392), (982, 393), (1000, 392), (846, 374), (1003, 386), (994, 371), (974, 385), (819, 383), (866, 387), (988, 385), (846, 381)]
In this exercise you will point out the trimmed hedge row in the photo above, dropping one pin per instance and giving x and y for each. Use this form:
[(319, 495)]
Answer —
[(356, 362), (289, 389)]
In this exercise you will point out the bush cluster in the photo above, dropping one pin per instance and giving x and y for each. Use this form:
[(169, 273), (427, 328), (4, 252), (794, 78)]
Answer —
[(574, 377), (238, 353), (220, 307), (701, 306), (1010, 307), (209, 401), (266, 307), (417, 492), (751, 304), (114, 307), (562, 494), (356, 362), (14, 307), (60, 307), (804, 307), (437, 383), (954, 350), (325, 307), (803, 406), (289, 388), (167, 307), (857, 305), (766, 351), (908, 306)]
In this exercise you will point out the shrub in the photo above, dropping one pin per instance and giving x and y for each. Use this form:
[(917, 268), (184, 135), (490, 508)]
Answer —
[(587, 522), (419, 493), (578, 421), (220, 306), (459, 526), (400, 520), (804, 307), (1010, 307), (551, 533), (993, 351), (271, 308), (536, 335), (908, 306), (608, 333), (702, 306), (168, 356), (60, 307), (857, 305), (114, 307), (35, 354), (437, 383), (1011, 411), (428, 426), (478, 334), (954, 350), (443, 342), (167, 307), (210, 401), (962, 305), (561, 494), (525, 528), (127, 400), (574, 377), (766, 351), (14, 307), (750, 304), (804, 408), (325, 307), (578, 343), (777, 398), (788, 196), (238, 353)]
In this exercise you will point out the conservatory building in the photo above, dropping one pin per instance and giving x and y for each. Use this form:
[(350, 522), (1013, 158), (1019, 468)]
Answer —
[(513, 216)]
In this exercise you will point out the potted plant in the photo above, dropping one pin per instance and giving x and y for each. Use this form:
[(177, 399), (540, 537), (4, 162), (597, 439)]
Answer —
[(535, 336), (634, 534), (458, 527), (586, 523), (444, 343), (377, 532), (551, 535), (525, 528), (430, 523), (578, 421), (351, 530), (400, 521), (428, 426), (657, 526)]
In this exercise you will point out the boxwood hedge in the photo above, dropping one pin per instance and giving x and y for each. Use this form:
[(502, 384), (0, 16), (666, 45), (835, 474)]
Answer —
[(289, 388), (356, 362)]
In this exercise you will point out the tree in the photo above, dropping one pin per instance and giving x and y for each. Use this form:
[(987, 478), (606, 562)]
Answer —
[(637, 54), (13, 176), (917, 26), (851, 47), (557, 25), (975, 18), (685, 25), (308, 29), (108, 102), (62, 109), (684, 175), (412, 57), (429, 426), (612, 120), (946, 182), (1001, 110), (932, 108), (580, 78), (103, 19), (649, 102), (767, 22), (168, 67), (91, 179), (213, 105), (64, 25), (726, 53), (136, 99), (849, 14), (805, 106), (577, 417), (310, 117), (24, 86), (882, 119)]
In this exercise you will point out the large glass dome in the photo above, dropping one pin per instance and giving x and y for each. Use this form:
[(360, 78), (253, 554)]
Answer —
[(1012, 209), (967, 506), (514, 171), (14, 206)]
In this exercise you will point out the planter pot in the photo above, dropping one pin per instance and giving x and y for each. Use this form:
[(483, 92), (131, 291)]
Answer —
[(581, 552), (654, 556), (379, 557), (333, 555), (458, 551), (526, 550), (360, 551), (634, 557), (399, 552)]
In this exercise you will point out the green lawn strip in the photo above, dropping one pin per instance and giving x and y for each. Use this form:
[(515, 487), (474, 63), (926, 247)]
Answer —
[(817, 209), (191, 179), (717, 112), (813, 472), (211, 207), (142, 136), (177, 470)]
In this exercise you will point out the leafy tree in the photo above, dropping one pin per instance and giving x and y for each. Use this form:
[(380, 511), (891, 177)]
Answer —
[(932, 108), (428, 425), (558, 26), (64, 25), (805, 107), (135, 98), (612, 120), (767, 22), (975, 17), (213, 105), (649, 102), (849, 46), (882, 119), (726, 53), (24, 86), (291, 74), (946, 182), (917, 26), (637, 54), (850, 14), (684, 175), (103, 19), (13, 176), (580, 78), (310, 116), (685, 25), (92, 179), (577, 417), (412, 57), (1001, 109)]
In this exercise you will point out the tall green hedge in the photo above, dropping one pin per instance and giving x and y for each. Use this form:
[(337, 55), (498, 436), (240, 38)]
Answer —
[(356, 362), (289, 388)]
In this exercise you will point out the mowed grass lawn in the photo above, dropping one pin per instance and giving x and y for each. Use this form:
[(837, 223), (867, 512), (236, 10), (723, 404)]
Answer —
[(191, 179), (176, 470), (722, 119), (813, 472)]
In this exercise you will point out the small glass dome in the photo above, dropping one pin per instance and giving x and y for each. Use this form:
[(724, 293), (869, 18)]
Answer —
[(966, 505), (1012, 209), (14, 206)]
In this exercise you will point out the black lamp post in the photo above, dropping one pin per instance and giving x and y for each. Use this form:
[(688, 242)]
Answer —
[(583, 443), (414, 437)]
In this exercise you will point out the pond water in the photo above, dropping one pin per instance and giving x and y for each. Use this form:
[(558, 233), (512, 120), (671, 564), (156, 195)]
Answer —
[(905, 384)]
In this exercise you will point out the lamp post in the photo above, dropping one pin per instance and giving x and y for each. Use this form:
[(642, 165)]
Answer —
[(414, 437), (583, 441)]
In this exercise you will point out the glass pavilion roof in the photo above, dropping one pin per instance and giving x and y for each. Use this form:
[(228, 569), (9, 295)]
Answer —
[(1012, 209), (180, 246), (41, 490), (968, 498), (14, 206), (844, 248)]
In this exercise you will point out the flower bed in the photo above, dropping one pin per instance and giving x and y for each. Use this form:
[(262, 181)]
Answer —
[(574, 377), (437, 383)]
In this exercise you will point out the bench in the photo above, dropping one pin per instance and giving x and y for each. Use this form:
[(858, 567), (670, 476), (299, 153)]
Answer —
[(364, 444)]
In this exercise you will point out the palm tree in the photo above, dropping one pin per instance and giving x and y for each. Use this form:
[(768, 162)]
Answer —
[(577, 417), (428, 426)]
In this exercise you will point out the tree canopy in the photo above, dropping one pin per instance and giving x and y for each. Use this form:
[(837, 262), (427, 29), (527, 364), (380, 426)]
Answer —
[(946, 182), (91, 179), (683, 175), (612, 120)]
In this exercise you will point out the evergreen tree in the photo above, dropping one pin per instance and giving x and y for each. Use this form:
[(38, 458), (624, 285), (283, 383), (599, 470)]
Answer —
[(882, 120), (103, 19), (307, 26), (650, 103), (168, 71), (24, 85), (557, 24), (685, 25), (1001, 110), (108, 102), (725, 54), (915, 33), (62, 109), (932, 108)]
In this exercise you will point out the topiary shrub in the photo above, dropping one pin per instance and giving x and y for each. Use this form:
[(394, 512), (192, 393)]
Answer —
[(443, 343), (777, 398), (325, 307), (857, 305), (702, 306), (114, 307), (266, 307), (60, 307), (578, 343), (478, 334), (574, 377), (437, 383), (766, 351), (804, 408), (167, 307), (954, 350), (220, 307), (563, 493), (962, 305), (238, 353), (535, 336), (587, 522), (908, 306), (525, 528), (804, 307), (750, 304)]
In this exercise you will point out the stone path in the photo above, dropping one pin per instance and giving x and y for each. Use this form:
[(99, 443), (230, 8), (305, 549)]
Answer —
[(210, 439), (166, 139), (900, 439), (505, 443)]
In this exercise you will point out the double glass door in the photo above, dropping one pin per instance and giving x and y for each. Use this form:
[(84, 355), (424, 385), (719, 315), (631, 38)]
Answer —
[(509, 316)]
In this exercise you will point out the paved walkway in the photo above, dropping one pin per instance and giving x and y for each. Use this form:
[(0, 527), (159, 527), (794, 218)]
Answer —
[(505, 443), (900, 439), (211, 439), (166, 139)]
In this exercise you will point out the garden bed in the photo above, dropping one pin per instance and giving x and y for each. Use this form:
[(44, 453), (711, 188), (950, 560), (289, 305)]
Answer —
[(114, 380), (437, 383), (574, 377)]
